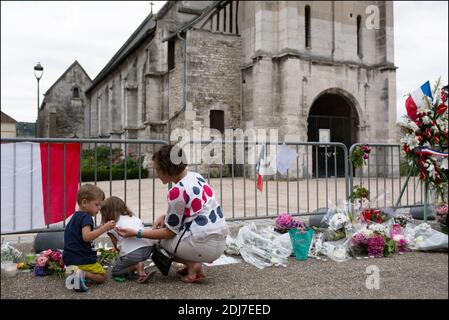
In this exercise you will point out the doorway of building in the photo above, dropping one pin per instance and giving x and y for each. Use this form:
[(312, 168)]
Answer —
[(333, 118)]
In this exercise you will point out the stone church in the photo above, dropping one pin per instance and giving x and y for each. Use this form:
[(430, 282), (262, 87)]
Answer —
[(302, 67)]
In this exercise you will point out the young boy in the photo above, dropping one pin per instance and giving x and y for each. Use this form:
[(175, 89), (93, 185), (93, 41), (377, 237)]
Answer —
[(79, 249)]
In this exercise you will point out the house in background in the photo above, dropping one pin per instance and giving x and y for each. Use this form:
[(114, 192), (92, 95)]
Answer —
[(26, 129), (8, 126), (62, 111)]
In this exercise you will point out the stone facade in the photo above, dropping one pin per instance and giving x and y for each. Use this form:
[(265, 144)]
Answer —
[(62, 112), (266, 64)]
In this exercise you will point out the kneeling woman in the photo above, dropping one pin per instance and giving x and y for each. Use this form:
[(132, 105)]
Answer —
[(193, 214)]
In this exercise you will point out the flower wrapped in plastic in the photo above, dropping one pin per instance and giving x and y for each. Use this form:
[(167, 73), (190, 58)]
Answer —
[(397, 235), (423, 237), (258, 247), (339, 224), (9, 253)]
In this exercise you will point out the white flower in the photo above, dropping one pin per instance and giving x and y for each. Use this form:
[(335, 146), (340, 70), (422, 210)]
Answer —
[(419, 240), (426, 120), (431, 169), (367, 233), (377, 227), (423, 229), (337, 221), (444, 164)]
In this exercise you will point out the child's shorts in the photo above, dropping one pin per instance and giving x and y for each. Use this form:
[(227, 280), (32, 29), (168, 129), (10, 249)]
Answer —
[(92, 268), (121, 266)]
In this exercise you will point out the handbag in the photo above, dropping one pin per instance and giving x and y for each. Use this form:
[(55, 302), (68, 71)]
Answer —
[(163, 259)]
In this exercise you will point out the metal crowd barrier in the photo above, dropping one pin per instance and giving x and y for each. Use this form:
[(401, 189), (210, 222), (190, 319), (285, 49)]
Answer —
[(381, 175), (305, 189)]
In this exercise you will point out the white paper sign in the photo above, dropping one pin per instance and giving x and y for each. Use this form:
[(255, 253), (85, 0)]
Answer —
[(325, 135), (285, 158)]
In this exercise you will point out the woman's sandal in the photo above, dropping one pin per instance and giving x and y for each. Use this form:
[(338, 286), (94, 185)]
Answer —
[(193, 279), (183, 271), (146, 277)]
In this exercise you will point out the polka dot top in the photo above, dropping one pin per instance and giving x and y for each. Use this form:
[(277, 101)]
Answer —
[(193, 199)]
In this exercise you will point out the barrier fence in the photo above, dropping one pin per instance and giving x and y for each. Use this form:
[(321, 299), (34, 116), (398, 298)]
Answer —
[(321, 177)]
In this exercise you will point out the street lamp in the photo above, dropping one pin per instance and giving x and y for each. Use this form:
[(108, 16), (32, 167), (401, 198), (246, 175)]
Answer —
[(38, 71)]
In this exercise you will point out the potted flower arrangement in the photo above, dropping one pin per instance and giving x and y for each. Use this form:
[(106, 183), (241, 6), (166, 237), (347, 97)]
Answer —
[(49, 262)]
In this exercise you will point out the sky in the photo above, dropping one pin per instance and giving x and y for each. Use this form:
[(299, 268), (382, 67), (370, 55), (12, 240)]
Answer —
[(60, 32)]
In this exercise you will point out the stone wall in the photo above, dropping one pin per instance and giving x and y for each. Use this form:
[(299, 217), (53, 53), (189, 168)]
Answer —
[(62, 114), (214, 77)]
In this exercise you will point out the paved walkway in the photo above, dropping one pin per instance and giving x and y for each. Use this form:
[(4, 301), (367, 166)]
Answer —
[(240, 198), (415, 275)]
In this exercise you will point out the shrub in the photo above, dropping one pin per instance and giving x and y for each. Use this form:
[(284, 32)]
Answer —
[(104, 171)]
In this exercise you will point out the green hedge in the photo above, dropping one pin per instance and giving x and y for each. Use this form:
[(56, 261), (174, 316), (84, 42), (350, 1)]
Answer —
[(103, 162), (88, 174)]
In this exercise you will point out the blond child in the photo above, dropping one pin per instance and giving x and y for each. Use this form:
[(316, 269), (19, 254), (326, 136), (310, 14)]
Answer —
[(133, 251), (79, 248)]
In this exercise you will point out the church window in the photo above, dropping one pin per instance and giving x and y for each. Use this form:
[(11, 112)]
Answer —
[(171, 55), (307, 26), (359, 36), (75, 93), (217, 120)]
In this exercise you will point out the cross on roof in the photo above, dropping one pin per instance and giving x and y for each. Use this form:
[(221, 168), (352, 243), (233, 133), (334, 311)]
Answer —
[(151, 4)]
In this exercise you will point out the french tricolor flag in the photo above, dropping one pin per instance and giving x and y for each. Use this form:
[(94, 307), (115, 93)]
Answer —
[(416, 100), (34, 190), (259, 168)]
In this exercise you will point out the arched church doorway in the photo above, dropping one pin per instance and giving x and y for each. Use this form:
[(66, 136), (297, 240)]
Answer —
[(332, 118)]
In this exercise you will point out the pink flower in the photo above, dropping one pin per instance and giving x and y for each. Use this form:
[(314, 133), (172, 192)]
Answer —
[(284, 220), (46, 253), (41, 261), (56, 256), (376, 246), (395, 229)]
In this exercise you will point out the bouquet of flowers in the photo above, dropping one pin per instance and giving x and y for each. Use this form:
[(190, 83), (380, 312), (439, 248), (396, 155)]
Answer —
[(360, 155), (374, 215), (106, 256), (442, 217), (397, 234), (359, 193), (9, 253), (339, 224), (285, 222), (425, 140), (402, 219), (372, 243), (49, 262)]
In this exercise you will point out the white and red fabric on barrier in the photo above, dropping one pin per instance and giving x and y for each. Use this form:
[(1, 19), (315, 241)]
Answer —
[(32, 184)]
